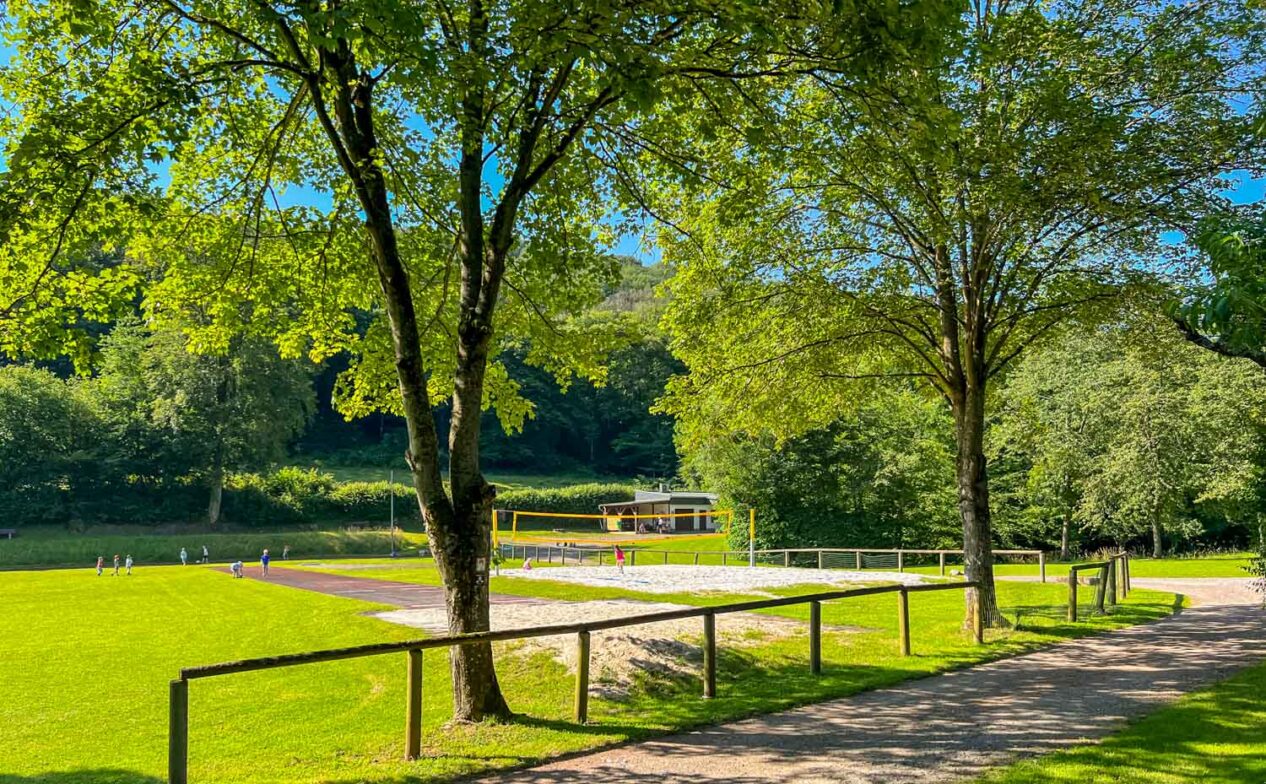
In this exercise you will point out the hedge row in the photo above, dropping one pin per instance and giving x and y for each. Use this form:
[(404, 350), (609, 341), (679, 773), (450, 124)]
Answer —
[(289, 496)]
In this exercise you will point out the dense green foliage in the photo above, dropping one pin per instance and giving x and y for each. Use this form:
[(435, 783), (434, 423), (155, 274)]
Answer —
[(1103, 437)]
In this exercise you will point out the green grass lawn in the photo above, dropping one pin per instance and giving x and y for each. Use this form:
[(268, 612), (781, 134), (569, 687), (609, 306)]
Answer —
[(1215, 736), (87, 661), (58, 547)]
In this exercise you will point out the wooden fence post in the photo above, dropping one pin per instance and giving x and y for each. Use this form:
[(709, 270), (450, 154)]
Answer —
[(903, 620), (696, 559), (1101, 590), (178, 733), (665, 558), (1041, 565), (942, 554), (581, 711), (1111, 591), (709, 656), (632, 557), (786, 558), (413, 713), (815, 637), (819, 559), (1072, 594), (724, 558), (1129, 578), (858, 557)]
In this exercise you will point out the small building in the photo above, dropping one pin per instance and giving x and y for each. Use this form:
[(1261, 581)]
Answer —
[(683, 510)]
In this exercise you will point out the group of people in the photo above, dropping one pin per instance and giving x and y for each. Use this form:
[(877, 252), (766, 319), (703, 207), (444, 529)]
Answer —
[(127, 564), (660, 526), (236, 567), (184, 556)]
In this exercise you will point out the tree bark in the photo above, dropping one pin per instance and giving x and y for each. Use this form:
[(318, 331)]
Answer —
[(973, 506), (1158, 548), (1063, 535), (216, 495)]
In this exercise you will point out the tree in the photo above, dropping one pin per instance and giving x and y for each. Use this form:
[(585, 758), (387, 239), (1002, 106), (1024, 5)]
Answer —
[(461, 149), (1143, 434), (200, 415), (1047, 418), (48, 444), (1227, 313), (880, 477), (938, 231)]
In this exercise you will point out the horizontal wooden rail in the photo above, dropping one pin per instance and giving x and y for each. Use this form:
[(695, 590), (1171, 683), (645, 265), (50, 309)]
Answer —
[(1106, 590), (178, 737)]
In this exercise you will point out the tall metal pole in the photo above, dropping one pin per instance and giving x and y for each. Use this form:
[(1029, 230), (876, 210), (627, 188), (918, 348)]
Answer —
[(392, 493)]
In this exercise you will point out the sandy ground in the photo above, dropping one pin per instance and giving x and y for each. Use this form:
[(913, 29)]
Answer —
[(951, 727), (619, 656), (725, 579)]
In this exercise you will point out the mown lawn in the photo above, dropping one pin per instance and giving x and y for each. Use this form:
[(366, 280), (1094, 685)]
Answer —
[(57, 547), (1214, 736), (87, 661)]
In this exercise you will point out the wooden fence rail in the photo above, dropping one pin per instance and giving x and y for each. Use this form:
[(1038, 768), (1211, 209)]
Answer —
[(1106, 590), (178, 714)]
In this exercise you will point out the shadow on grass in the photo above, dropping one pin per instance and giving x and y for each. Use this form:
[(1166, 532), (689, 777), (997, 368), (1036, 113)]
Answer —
[(92, 776)]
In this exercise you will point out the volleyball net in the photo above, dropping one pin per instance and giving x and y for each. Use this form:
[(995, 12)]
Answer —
[(607, 527)]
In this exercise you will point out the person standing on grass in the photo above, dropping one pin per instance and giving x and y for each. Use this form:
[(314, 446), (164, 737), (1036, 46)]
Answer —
[(116, 565), (184, 557), (263, 562), (100, 564), (285, 552), (206, 554), (619, 559), (127, 563)]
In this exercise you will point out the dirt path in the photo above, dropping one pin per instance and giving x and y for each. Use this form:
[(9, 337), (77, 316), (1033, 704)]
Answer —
[(949, 727), (397, 594)]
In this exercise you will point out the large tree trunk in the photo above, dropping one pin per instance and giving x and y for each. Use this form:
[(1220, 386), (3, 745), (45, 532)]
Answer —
[(973, 506), (458, 528), (1158, 548)]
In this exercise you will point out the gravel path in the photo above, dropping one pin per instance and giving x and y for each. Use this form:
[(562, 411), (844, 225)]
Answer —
[(948, 727)]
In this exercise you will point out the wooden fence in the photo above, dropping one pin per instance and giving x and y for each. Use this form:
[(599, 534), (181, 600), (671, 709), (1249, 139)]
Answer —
[(543, 553), (1114, 577), (178, 713)]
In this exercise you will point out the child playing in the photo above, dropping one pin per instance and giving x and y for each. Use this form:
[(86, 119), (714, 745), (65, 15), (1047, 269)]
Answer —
[(263, 562), (236, 568), (100, 564), (116, 565), (527, 564), (619, 559), (184, 557), (127, 562)]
